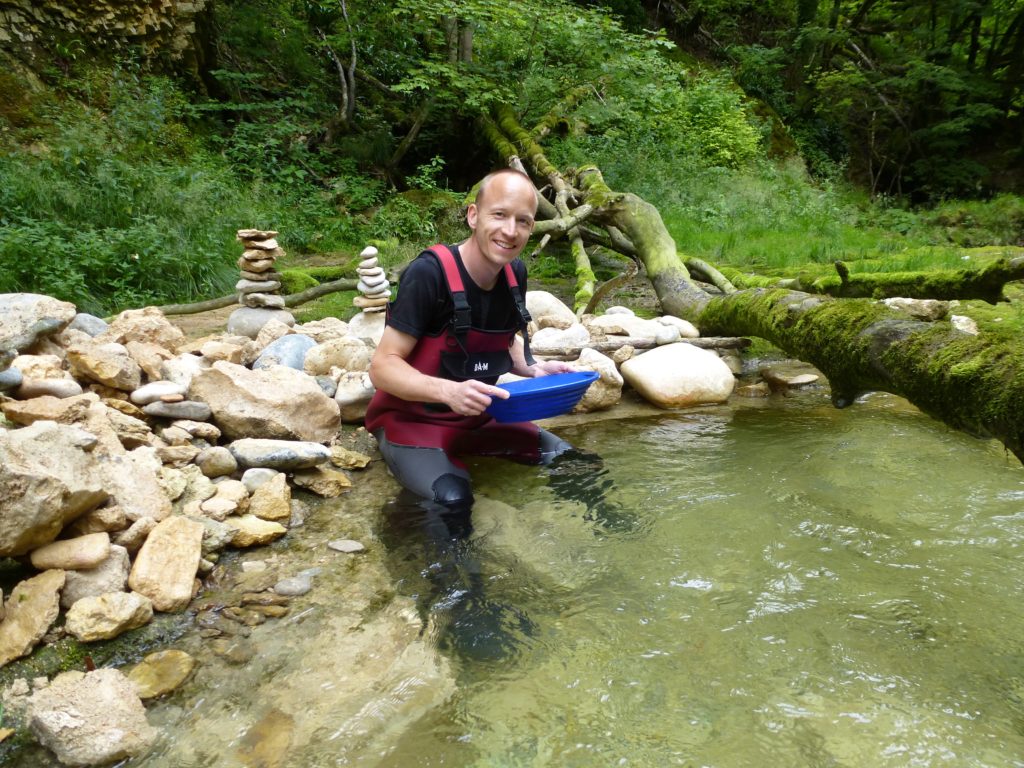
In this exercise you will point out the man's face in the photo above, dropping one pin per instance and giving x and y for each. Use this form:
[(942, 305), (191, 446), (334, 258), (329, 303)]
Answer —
[(503, 218)]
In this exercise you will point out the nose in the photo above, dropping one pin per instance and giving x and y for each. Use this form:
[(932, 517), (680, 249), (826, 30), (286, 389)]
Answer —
[(508, 227)]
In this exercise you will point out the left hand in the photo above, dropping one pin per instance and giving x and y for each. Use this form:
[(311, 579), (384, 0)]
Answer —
[(548, 367)]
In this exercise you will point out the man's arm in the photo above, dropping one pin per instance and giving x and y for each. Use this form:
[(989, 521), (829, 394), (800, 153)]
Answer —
[(390, 372)]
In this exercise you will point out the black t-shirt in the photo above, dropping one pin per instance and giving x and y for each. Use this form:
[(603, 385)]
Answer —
[(423, 306)]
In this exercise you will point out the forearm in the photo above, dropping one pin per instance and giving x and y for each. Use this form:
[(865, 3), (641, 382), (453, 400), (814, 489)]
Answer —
[(539, 368)]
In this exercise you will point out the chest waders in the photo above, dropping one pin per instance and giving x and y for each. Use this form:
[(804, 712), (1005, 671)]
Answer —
[(422, 442)]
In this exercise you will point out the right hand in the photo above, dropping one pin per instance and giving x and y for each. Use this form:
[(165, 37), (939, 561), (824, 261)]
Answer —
[(471, 397)]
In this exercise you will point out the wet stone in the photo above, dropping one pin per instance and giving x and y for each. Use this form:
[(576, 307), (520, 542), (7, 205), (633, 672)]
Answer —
[(348, 546), (246, 616), (233, 650), (294, 586), (272, 611), (161, 672), (264, 599)]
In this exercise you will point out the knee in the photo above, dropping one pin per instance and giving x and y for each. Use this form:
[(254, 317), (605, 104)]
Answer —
[(453, 492), (551, 447)]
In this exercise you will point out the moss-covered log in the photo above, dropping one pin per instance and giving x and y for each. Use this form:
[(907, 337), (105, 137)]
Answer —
[(985, 284), (971, 382)]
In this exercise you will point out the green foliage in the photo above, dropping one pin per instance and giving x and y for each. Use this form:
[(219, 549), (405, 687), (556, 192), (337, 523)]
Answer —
[(296, 280)]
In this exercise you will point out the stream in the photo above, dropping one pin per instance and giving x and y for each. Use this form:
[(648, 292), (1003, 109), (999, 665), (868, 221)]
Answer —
[(783, 583)]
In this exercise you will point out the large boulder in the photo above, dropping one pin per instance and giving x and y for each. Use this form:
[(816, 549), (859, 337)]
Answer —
[(94, 718), (607, 390), (277, 403), (26, 317), (48, 477), (132, 481), (107, 363), (548, 311), (679, 375)]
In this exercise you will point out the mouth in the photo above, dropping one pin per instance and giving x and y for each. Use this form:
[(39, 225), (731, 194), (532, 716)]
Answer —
[(505, 245)]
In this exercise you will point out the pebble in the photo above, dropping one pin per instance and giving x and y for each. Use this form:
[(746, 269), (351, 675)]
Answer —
[(294, 586), (186, 409), (346, 545)]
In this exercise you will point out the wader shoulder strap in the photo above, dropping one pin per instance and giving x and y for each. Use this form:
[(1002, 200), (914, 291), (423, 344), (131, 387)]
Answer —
[(524, 314), (462, 320)]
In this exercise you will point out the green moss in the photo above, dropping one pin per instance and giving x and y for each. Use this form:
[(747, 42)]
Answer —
[(297, 280), (338, 304)]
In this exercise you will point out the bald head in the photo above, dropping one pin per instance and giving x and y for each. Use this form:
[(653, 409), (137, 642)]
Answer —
[(505, 178)]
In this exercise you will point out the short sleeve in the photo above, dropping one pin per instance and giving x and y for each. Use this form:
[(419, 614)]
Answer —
[(419, 306)]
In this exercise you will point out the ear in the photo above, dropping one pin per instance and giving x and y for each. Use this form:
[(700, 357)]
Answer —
[(471, 216)]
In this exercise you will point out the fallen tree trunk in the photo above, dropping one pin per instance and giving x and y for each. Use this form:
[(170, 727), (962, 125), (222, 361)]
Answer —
[(985, 284), (610, 345), (972, 382), (290, 299)]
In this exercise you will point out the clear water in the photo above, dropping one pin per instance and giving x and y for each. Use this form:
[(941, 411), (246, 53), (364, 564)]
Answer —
[(808, 587), (797, 586)]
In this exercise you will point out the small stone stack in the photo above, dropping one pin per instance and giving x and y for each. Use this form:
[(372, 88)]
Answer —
[(260, 285), (259, 289), (373, 283)]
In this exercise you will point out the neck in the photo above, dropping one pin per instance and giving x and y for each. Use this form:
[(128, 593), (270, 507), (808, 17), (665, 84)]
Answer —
[(483, 273)]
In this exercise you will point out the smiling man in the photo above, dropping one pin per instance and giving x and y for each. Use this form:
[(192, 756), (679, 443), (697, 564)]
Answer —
[(451, 332)]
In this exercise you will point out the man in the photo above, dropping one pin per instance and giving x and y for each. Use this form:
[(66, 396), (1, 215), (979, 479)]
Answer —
[(451, 331)]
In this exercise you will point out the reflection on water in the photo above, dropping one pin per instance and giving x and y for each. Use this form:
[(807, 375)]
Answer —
[(796, 586)]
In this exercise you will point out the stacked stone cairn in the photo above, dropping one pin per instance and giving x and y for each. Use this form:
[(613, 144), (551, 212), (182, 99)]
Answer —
[(373, 284), (259, 289)]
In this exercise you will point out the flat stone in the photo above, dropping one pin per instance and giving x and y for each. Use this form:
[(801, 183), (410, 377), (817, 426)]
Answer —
[(81, 553), (347, 546), (279, 454), (294, 586), (155, 390), (191, 410), (161, 672)]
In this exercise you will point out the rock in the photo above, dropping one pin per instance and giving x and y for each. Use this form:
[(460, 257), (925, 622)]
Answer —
[(928, 310), (687, 330), (48, 477), (733, 360), (348, 353), (272, 500), (367, 325), (161, 672), (277, 403), (622, 354), (328, 483), (132, 480), (189, 410), (165, 568), (621, 324), (787, 376), (267, 300), (576, 335), (760, 389), (348, 459), (255, 477), (348, 546), (353, 395), (679, 375), (26, 317), (152, 392), (201, 430), (130, 431), (279, 454), (176, 455), (91, 719), (135, 535), (218, 508), (295, 585), (257, 286), (183, 368), (251, 531), (81, 553), (102, 617), (147, 325), (328, 385), (111, 575), (109, 364), (109, 519), (324, 329), (60, 387), (222, 350), (548, 311), (247, 321), (289, 350), (964, 324), (216, 461), (607, 390), (89, 324), (32, 607), (255, 234), (271, 332), (150, 357), (10, 379), (68, 410)]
